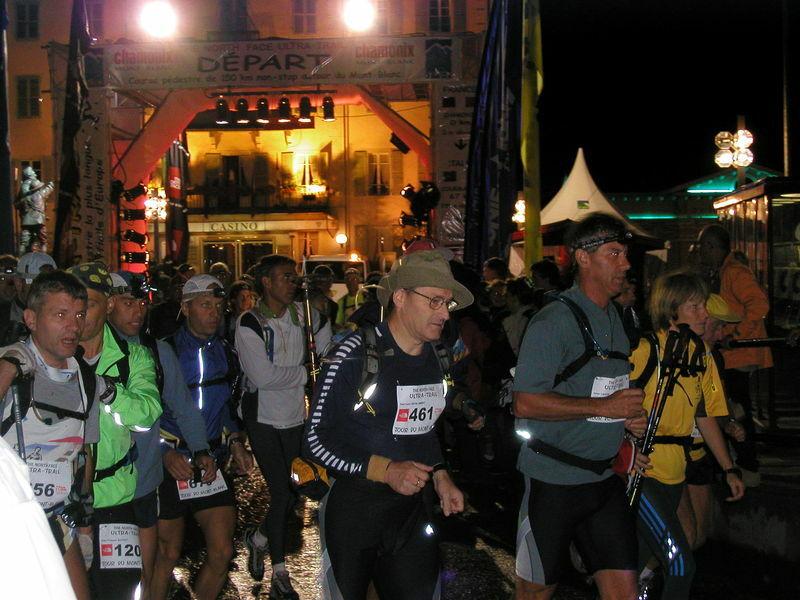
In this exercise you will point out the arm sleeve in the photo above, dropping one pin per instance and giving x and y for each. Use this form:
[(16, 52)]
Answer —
[(137, 404), (713, 390), (322, 337), (179, 401), (752, 297), (324, 440), (257, 366)]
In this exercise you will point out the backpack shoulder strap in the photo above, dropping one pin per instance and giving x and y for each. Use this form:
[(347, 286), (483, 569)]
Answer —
[(24, 391), (149, 342), (124, 365), (652, 361), (588, 341)]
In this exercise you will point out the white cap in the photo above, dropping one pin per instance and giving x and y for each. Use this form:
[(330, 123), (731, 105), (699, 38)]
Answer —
[(31, 263), (202, 284)]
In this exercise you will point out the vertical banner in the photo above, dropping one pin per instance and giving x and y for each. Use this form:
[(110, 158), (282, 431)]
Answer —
[(89, 219), (493, 170), (452, 120), (532, 82), (177, 223)]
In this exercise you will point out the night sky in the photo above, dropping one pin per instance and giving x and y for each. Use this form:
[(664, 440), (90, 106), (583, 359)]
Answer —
[(644, 85)]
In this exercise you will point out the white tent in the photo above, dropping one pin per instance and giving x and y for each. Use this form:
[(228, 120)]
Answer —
[(579, 196)]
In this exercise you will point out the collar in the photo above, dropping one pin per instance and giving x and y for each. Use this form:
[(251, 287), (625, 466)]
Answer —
[(196, 341), (53, 373), (267, 312)]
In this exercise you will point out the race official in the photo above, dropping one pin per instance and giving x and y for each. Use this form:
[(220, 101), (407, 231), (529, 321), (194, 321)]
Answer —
[(574, 422), (376, 437)]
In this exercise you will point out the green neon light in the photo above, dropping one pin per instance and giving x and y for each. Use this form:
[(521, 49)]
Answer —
[(709, 191), (665, 217)]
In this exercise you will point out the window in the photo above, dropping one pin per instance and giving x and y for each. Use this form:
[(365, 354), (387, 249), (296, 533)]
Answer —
[(27, 20), (233, 15), (28, 96), (94, 10), (378, 170), (304, 13), (439, 16)]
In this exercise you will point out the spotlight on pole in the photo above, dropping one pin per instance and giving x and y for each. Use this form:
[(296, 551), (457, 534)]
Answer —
[(284, 110), (359, 15), (223, 113), (262, 110), (158, 19), (242, 110), (327, 109), (305, 110)]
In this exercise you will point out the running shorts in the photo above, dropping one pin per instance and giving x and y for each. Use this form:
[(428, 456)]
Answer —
[(593, 515), (170, 505)]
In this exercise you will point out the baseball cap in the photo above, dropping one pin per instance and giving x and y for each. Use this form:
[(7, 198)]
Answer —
[(94, 275), (719, 309), (202, 284), (30, 265), (424, 268)]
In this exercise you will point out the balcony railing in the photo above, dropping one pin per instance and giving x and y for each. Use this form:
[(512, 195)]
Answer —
[(209, 200)]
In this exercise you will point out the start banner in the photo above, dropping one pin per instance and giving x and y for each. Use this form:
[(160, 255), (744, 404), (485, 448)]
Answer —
[(280, 62)]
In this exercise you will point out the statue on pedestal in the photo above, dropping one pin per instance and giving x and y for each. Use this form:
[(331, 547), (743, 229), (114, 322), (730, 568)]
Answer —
[(30, 203)]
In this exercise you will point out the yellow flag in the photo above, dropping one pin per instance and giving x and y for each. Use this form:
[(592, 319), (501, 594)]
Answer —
[(532, 82)]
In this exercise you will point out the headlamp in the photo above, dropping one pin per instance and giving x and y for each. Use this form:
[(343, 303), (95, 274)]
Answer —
[(595, 242)]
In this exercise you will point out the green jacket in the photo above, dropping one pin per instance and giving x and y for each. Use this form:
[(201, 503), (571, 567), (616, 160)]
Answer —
[(136, 407)]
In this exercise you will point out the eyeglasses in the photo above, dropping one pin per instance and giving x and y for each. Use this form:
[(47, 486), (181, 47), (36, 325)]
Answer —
[(436, 302)]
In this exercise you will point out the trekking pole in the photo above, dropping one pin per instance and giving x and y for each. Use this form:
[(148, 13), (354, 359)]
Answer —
[(311, 344), (675, 348), (17, 411)]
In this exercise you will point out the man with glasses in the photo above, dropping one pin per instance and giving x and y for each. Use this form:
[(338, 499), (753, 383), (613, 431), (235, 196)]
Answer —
[(573, 403), (373, 429), (271, 342)]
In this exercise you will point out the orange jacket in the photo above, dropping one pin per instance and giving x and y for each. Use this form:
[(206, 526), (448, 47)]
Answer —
[(745, 296)]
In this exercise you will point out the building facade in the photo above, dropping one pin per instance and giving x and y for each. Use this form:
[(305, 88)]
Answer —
[(253, 188)]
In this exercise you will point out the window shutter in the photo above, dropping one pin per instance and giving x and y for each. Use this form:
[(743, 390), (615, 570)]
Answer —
[(396, 176), (360, 173), (260, 180), (395, 16), (459, 15), (287, 169), (213, 168), (421, 16)]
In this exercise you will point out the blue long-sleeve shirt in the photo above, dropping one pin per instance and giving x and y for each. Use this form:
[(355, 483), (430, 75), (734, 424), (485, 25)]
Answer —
[(176, 400), (205, 368)]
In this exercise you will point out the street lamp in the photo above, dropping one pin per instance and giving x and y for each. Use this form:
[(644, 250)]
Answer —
[(155, 211), (734, 150), (341, 239), (158, 19), (359, 15)]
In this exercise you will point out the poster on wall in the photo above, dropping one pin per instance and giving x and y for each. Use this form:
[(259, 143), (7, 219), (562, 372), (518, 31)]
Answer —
[(281, 62), (452, 121)]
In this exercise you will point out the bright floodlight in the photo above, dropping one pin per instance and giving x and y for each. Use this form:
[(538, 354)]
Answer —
[(723, 140), (359, 15), (743, 158), (341, 238), (158, 19), (724, 158), (743, 139)]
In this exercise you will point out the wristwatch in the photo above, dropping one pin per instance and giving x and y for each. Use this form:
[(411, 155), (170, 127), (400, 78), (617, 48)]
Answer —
[(734, 470), (199, 454)]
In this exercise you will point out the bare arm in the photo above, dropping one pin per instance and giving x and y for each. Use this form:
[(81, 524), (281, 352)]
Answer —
[(716, 443), (552, 406)]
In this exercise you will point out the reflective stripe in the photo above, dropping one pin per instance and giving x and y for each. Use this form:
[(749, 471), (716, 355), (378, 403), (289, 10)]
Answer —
[(202, 371)]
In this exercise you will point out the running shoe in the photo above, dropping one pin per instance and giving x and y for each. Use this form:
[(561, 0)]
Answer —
[(256, 554), (281, 588)]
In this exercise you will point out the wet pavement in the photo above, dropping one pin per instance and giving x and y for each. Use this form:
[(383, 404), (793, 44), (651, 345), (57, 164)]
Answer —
[(477, 553)]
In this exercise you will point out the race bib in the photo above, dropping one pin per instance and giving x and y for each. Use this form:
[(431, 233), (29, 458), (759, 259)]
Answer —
[(605, 386), (418, 407), (191, 490), (119, 546), (51, 481)]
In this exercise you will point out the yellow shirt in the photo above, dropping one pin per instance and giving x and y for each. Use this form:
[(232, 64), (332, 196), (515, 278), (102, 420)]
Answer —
[(677, 419), (713, 409)]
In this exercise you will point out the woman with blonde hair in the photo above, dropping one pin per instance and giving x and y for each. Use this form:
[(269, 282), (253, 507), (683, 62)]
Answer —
[(677, 298)]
